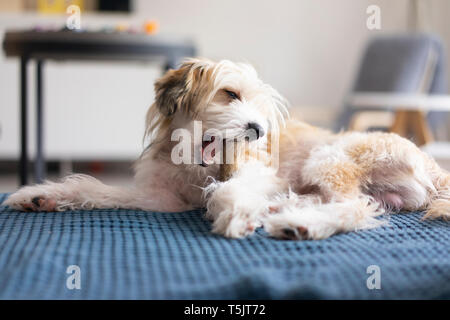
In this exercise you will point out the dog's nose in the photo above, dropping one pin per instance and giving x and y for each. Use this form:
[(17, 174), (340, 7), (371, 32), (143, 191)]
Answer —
[(258, 129)]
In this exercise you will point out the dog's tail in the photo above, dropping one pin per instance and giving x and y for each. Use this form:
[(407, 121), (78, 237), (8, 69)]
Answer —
[(439, 206)]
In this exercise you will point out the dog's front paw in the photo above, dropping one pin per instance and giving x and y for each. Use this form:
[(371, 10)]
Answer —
[(235, 224), (31, 199), (298, 230), (235, 212), (290, 233), (299, 225)]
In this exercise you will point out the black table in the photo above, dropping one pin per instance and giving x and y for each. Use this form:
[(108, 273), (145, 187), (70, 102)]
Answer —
[(70, 45)]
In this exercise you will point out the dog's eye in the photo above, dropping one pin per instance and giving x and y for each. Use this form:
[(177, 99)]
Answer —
[(232, 94)]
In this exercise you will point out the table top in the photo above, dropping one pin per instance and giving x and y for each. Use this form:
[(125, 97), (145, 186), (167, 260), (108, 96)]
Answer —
[(62, 45), (400, 101)]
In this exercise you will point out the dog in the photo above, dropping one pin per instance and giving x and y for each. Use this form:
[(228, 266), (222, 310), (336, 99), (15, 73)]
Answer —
[(321, 184)]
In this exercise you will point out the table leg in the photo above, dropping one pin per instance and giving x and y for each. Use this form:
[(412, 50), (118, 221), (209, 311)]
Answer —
[(39, 161), (23, 123)]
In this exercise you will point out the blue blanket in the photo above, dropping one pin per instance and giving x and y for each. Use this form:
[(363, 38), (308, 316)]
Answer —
[(126, 254)]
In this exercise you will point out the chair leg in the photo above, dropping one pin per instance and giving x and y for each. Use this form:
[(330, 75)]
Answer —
[(412, 124), (400, 123), (420, 127)]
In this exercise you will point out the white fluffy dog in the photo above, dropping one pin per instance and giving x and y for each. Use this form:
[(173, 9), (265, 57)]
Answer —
[(319, 183)]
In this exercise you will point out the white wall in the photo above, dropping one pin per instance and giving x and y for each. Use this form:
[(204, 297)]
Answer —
[(306, 49)]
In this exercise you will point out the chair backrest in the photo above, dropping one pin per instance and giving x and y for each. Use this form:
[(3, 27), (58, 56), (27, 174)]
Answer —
[(404, 63)]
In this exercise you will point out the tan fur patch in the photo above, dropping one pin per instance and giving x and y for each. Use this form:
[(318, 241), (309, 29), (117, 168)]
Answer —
[(344, 177)]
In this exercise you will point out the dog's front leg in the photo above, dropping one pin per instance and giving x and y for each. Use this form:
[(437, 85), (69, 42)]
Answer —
[(238, 205)]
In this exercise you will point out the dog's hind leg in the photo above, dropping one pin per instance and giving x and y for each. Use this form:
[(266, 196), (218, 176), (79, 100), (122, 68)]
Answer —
[(439, 206), (85, 192), (305, 217)]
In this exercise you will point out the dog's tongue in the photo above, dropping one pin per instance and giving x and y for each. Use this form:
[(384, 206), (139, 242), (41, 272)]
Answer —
[(208, 154)]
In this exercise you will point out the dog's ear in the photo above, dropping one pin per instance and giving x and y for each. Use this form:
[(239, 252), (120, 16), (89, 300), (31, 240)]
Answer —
[(170, 88), (181, 89)]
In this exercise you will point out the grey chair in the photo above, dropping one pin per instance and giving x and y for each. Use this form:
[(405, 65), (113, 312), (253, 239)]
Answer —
[(402, 63)]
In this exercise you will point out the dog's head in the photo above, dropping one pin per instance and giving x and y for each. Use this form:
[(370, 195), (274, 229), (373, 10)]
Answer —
[(228, 99)]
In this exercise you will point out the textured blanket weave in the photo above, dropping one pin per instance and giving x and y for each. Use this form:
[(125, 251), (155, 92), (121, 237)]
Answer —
[(127, 254)]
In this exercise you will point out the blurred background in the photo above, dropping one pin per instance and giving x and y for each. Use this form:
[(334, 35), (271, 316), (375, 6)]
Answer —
[(311, 51)]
